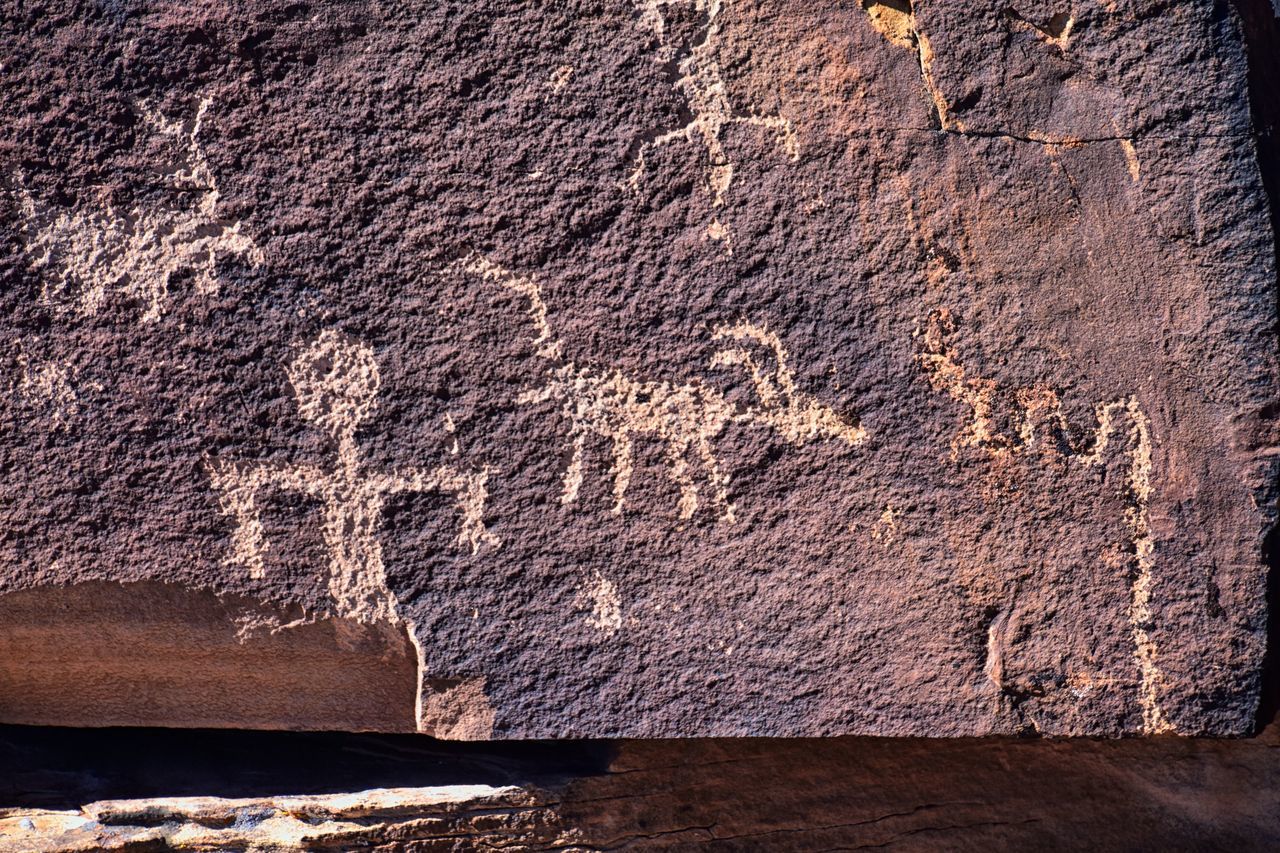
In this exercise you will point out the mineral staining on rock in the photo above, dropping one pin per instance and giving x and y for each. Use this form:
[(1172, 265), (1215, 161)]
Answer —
[(885, 368)]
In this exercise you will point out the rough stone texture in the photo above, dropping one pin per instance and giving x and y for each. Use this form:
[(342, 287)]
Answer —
[(218, 791), (465, 817), (681, 368)]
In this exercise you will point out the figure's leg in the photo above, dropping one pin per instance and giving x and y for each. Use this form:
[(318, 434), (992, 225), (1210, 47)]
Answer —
[(357, 578), (718, 481), (237, 497), (470, 494), (677, 457), (573, 474), (621, 467)]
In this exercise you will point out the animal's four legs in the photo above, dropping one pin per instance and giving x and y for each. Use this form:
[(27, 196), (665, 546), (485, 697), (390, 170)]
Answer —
[(717, 480), (621, 468), (677, 452), (573, 474)]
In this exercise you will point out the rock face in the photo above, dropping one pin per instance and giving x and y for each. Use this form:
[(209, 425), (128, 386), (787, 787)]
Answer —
[(150, 654), (459, 817), (716, 367)]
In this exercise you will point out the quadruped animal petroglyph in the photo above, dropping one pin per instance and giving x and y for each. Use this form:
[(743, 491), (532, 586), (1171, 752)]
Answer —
[(686, 417), (1042, 426), (94, 249), (335, 383)]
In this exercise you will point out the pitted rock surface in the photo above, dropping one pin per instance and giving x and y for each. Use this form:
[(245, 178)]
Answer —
[(716, 367)]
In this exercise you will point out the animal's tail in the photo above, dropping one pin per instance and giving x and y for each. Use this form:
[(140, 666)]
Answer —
[(794, 414), (477, 264)]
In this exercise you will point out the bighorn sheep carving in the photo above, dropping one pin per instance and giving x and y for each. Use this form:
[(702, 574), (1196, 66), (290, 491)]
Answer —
[(685, 417)]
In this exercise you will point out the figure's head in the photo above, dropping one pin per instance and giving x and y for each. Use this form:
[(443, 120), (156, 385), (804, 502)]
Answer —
[(335, 381), (758, 347)]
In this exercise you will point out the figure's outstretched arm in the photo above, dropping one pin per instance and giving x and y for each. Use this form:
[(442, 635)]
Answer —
[(407, 480), (305, 479), (470, 491)]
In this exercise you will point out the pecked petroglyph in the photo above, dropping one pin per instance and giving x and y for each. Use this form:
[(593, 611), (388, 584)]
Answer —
[(686, 418), (335, 383), (1055, 31), (560, 78), (95, 250), (1041, 426), (46, 386), (606, 607), (885, 529), (707, 99)]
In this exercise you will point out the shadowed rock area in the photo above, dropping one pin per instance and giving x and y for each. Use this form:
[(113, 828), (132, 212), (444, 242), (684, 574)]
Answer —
[(656, 369), (170, 790)]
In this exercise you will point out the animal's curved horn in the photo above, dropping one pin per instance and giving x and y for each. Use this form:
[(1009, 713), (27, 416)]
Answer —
[(544, 344), (765, 388), (745, 330)]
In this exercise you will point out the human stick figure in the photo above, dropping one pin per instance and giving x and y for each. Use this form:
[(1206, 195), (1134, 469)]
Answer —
[(335, 382)]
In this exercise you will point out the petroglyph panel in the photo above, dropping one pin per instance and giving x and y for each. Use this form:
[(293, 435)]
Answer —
[(669, 368)]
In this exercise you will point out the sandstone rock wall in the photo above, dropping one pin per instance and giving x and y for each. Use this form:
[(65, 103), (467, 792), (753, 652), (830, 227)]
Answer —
[(716, 367)]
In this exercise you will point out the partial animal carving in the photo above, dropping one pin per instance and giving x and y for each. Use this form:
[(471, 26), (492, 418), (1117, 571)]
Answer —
[(709, 109), (335, 382), (46, 387), (685, 417), (1042, 426), (94, 250)]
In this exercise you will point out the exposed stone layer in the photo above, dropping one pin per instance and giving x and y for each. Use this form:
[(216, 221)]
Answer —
[(1169, 794), (718, 367), (462, 817), (154, 654)]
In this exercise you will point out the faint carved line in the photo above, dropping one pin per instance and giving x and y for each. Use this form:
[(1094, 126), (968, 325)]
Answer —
[(46, 386), (1043, 425)]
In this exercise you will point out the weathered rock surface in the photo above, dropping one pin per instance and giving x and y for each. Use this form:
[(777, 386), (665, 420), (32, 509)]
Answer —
[(463, 817), (149, 654), (668, 369)]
